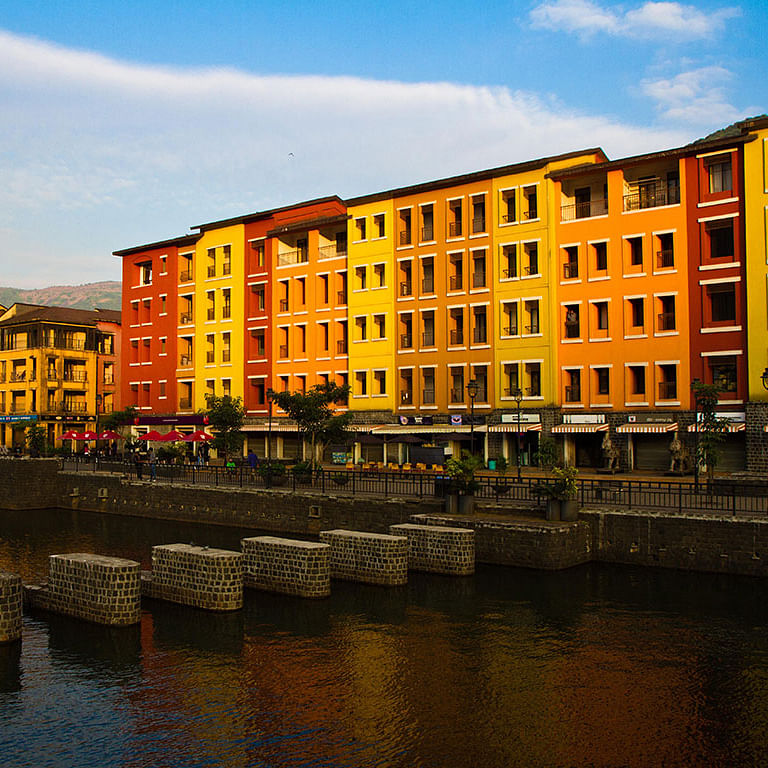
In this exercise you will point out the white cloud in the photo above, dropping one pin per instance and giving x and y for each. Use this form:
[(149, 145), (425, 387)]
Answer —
[(100, 154), (651, 19), (696, 97)]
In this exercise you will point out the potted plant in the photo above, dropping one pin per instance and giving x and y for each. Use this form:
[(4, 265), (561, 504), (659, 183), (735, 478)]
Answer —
[(463, 482), (561, 494), (340, 478), (273, 472), (302, 472)]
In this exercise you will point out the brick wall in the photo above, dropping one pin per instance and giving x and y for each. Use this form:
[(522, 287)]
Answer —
[(438, 549), (10, 607), (372, 558)]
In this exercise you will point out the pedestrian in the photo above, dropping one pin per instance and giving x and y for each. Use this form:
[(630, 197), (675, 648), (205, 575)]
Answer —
[(152, 465), (137, 465), (253, 462)]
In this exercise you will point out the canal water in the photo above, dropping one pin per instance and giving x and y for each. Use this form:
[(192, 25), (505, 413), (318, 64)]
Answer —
[(597, 667)]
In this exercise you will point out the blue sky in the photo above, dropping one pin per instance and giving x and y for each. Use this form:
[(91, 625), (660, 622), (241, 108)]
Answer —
[(124, 123)]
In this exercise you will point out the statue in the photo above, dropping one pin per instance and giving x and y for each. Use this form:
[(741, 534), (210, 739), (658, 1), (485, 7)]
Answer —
[(675, 454), (610, 454)]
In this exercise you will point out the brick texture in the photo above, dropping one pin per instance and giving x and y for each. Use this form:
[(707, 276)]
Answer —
[(10, 607), (371, 558), (438, 549)]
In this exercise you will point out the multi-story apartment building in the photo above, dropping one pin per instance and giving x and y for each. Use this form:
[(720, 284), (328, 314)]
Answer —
[(58, 368), (570, 296)]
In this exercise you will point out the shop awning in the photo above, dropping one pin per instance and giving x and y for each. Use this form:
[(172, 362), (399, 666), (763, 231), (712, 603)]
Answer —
[(646, 429), (575, 429), (732, 426), (513, 428), (266, 428)]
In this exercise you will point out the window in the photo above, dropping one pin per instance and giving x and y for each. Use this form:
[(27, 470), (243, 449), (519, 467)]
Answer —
[(508, 261), (163, 305), (259, 345), (360, 228), (456, 326), (379, 276), (428, 386), (145, 273), (361, 383), (284, 293), (428, 275), (211, 307), (637, 379), (406, 331), (456, 274), (259, 391), (302, 340), (404, 227), (723, 373), (378, 225), (510, 372), (531, 307), (427, 223), (379, 382), (509, 319), (226, 309), (226, 387), (325, 337), (457, 386), (163, 265), (478, 214), (531, 210), (283, 350), (719, 174), (665, 256), (720, 237), (185, 275), (533, 372), (601, 256), (668, 382), (667, 319), (226, 262), (480, 376), (211, 262), (301, 291), (428, 329), (259, 296), (163, 342), (455, 218), (573, 387), (210, 353), (603, 381), (478, 270), (572, 329), (509, 206), (637, 313), (406, 386), (380, 326), (635, 245), (226, 352), (257, 254), (601, 315), (406, 273), (361, 278), (361, 328), (324, 291), (722, 302), (480, 333), (532, 258), (571, 265)]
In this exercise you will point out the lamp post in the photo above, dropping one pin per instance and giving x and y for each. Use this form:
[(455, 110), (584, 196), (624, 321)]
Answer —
[(518, 395), (764, 378), (269, 430), (694, 384), (472, 390)]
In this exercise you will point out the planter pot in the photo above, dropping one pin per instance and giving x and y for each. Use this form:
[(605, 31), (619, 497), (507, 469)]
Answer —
[(553, 509), (466, 505), (569, 510), (452, 504)]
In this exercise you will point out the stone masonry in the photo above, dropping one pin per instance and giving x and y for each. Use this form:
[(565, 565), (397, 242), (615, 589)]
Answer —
[(104, 590), (10, 607), (372, 558), (290, 567), (196, 576), (438, 549)]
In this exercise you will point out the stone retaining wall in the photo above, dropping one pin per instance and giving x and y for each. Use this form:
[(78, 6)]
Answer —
[(10, 607), (104, 590), (372, 558), (196, 576), (438, 549), (287, 566)]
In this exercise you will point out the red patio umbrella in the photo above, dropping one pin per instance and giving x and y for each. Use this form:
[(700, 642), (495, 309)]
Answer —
[(152, 436), (89, 434), (172, 437), (110, 435), (200, 436), (70, 434)]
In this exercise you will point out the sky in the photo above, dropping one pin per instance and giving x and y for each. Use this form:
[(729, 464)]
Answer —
[(128, 123)]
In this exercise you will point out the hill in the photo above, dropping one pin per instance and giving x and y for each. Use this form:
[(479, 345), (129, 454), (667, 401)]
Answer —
[(87, 296)]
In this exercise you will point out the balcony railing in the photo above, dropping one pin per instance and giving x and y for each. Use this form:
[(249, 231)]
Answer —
[(428, 339), (341, 347), (571, 270), (667, 390), (584, 210), (406, 398), (572, 330), (457, 336), (478, 224), (283, 305), (185, 361), (296, 256), (509, 218), (210, 356), (479, 280), (427, 234), (325, 252), (667, 321), (479, 336), (532, 268), (509, 273), (510, 330), (428, 397), (17, 408), (511, 391), (226, 355), (427, 285), (456, 282), (226, 312), (211, 270), (283, 350), (406, 341), (211, 313), (406, 289), (457, 395), (75, 376), (665, 259), (185, 276), (226, 268), (405, 237), (651, 196), (75, 406), (185, 318), (573, 394), (532, 328), (17, 376), (185, 403), (532, 213), (454, 229)]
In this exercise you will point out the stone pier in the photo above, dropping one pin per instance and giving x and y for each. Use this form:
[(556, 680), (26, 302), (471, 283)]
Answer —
[(197, 576), (287, 566), (372, 558), (10, 607), (438, 549), (104, 590)]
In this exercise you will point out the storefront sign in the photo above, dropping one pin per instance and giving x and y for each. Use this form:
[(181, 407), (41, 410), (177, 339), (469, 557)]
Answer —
[(583, 418), (406, 420), (646, 418), (526, 417), (19, 417)]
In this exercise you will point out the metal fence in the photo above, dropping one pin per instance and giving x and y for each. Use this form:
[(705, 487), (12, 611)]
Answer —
[(722, 497)]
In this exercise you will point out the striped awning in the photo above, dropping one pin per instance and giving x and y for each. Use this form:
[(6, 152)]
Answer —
[(266, 428), (575, 429), (732, 426), (647, 428), (513, 427)]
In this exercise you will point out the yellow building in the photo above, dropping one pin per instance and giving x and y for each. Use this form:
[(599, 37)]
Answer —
[(57, 368)]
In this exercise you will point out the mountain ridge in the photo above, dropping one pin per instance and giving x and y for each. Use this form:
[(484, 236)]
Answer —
[(106, 294)]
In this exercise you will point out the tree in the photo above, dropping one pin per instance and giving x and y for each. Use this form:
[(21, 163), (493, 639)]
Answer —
[(710, 428), (117, 420), (314, 416), (226, 417), (35, 440)]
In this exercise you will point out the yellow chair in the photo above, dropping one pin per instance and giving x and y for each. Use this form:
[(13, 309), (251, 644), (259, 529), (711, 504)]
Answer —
[(407, 467), (421, 467), (437, 468)]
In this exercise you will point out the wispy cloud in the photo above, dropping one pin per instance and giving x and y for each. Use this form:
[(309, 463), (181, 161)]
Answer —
[(696, 97), (100, 154), (651, 19)]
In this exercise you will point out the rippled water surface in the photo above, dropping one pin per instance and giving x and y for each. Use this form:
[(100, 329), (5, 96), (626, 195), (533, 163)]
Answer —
[(595, 666)]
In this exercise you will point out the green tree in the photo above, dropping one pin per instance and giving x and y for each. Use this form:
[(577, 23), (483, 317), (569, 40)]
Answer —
[(118, 420), (226, 417), (314, 416), (711, 429), (35, 440)]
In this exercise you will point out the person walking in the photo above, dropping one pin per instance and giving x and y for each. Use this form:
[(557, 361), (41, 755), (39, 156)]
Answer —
[(152, 465), (137, 465)]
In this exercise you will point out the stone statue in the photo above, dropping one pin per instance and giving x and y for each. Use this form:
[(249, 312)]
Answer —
[(675, 454), (610, 454)]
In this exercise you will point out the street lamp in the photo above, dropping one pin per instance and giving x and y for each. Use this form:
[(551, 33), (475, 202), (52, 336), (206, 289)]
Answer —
[(764, 378), (694, 388), (269, 393), (472, 390), (518, 395)]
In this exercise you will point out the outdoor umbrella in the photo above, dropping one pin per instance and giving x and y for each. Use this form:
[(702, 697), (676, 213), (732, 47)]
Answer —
[(201, 436), (152, 436), (89, 434), (172, 437), (110, 435), (70, 434)]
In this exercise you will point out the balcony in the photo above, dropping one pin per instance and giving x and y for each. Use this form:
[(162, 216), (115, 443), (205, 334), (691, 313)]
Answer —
[(457, 336), (17, 408), (532, 268), (571, 270), (75, 375), (341, 298), (456, 282), (185, 361), (226, 355), (406, 341), (226, 312), (572, 329), (510, 330), (479, 336), (651, 196), (478, 224), (457, 395), (341, 347), (509, 218), (283, 351), (296, 256), (210, 356), (211, 270), (667, 390), (532, 328), (185, 318), (406, 289), (531, 214), (428, 339), (406, 398), (17, 376), (283, 305), (75, 406), (427, 285), (479, 280), (326, 252), (584, 210), (428, 397), (404, 237), (667, 321), (455, 229), (211, 313), (186, 276), (185, 403), (665, 259), (573, 394), (226, 268)]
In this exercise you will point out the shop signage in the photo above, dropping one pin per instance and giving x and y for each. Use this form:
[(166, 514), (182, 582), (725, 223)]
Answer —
[(735, 417), (526, 417), (647, 418), (458, 420), (190, 419), (19, 417), (411, 420), (583, 418)]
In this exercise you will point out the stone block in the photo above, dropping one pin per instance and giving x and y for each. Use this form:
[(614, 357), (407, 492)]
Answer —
[(372, 558), (287, 566), (10, 607), (438, 549)]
